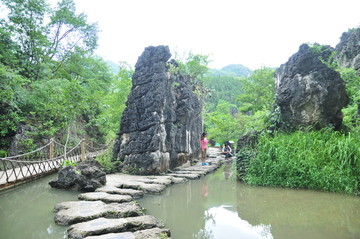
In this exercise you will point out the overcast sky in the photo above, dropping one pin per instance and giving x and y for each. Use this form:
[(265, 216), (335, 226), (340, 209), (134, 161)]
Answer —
[(253, 33)]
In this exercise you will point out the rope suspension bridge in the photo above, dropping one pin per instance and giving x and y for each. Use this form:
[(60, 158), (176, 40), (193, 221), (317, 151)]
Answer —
[(44, 160)]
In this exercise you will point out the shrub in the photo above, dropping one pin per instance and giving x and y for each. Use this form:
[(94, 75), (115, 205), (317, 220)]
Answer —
[(322, 160), (3, 154), (105, 161)]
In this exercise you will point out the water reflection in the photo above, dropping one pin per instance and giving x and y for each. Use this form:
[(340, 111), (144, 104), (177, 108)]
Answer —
[(218, 207), (26, 211), (300, 213), (227, 172), (220, 222), (214, 207)]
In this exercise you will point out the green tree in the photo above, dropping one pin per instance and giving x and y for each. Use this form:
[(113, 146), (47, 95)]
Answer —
[(49, 78), (8, 48), (221, 124), (45, 38), (258, 91), (352, 80), (53, 104), (195, 66), (113, 103), (77, 95), (221, 87), (11, 99)]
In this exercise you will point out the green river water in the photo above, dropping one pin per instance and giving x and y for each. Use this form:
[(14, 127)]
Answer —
[(215, 206)]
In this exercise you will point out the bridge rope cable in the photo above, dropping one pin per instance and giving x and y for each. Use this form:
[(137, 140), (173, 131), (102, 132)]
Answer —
[(60, 144), (25, 154), (44, 160)]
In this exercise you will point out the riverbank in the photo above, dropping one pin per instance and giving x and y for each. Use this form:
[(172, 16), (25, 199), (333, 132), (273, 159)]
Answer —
[(112, 212), (216, 205)]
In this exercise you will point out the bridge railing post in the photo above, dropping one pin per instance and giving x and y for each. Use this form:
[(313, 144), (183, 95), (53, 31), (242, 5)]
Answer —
[(83, 150), (51, 150)]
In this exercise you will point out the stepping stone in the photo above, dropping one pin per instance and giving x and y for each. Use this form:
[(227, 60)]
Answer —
[(122, 191), (153, 233), (136, 182), (148, 188), (205, 168), (179, 180), (80, 211), (102, 225), (201, 173), (105, 197), (165, 180), (183, 175)]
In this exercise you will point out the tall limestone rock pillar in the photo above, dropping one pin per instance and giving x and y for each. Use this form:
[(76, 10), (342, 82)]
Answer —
[(348, 50), (162, 123), (347, 53)]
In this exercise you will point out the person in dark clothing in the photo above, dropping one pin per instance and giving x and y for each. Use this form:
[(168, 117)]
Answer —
[(227, 151)]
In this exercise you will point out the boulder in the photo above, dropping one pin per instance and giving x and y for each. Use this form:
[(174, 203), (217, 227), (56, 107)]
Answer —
[(86, 176), (161, 124), (309, 93)]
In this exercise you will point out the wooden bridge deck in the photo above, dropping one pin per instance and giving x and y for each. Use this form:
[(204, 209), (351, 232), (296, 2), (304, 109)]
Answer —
[(19, 169)]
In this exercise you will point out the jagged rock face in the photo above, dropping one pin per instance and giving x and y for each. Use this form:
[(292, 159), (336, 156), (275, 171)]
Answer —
[(161, 124), (22, 135), (308, 92), (348, 50)]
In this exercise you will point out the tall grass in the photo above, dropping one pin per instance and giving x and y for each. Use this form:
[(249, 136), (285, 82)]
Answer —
[(322, 160)]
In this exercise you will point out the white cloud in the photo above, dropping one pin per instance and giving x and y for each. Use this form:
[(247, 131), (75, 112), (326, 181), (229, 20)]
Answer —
[(254, 33)]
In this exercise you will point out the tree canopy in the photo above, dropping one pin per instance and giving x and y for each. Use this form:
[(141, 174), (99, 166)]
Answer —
[(50, 79), (39, 40)]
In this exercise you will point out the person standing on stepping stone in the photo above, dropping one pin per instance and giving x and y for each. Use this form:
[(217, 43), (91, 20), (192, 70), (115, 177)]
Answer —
[(203, 142)]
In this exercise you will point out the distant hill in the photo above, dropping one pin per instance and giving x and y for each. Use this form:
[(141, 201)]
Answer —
[(232, 70)]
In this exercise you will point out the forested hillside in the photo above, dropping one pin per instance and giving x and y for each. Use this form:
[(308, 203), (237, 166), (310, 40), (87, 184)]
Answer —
[(51, 83), (237, 102), (231, 70)]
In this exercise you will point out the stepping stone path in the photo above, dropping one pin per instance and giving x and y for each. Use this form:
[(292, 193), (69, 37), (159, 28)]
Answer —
[(105, 197), (112, 213), (80, 211)]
